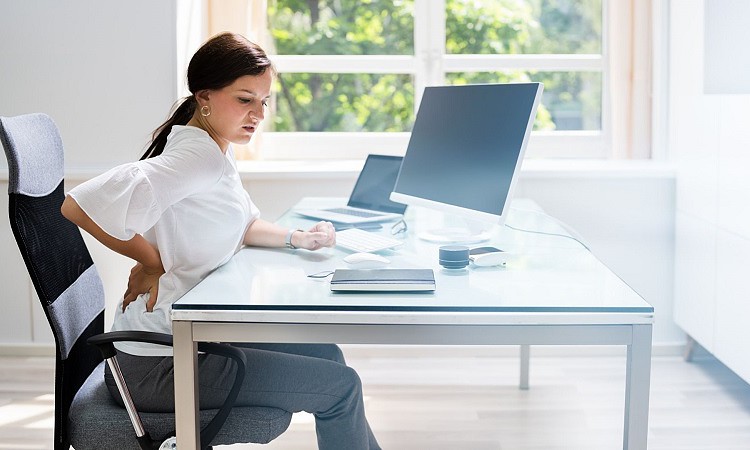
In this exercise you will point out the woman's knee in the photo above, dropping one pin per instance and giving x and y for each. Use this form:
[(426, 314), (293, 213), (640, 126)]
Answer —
[(352, 380), (330, 352), (333, 352)]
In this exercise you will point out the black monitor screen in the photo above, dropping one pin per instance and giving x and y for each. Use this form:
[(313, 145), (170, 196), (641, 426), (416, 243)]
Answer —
[(466, 144)]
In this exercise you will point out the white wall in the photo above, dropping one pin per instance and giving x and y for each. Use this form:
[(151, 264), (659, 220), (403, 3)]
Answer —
[(628, 222), (710, 147), (105, 72)]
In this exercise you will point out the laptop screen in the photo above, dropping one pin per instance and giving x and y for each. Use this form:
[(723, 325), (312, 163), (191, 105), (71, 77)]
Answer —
[(375, 183)]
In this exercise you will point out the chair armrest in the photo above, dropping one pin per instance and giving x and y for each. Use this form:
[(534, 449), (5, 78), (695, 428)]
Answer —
[(105, 343)]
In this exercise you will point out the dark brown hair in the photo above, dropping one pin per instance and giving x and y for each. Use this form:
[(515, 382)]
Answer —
[(217, 64)]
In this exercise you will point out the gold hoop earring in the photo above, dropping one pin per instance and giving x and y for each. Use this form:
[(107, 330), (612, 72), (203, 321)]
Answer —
[(205, 111)]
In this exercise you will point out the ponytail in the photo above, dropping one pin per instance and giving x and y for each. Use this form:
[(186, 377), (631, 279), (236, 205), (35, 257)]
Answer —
[(181, 116)]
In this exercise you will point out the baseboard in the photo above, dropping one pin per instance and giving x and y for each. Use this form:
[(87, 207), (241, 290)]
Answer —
[(433, 351), (12, 349), (495, 351)]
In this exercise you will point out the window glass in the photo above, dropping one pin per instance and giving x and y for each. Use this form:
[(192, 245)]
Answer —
[(341, 27), (343, 102), (348, 69), (570, 101), (523, 27)]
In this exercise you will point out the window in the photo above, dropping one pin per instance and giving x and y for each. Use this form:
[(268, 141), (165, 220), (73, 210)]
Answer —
[(351, 72)]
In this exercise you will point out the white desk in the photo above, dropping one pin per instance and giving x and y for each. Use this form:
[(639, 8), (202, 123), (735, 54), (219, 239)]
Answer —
[(552, 292)]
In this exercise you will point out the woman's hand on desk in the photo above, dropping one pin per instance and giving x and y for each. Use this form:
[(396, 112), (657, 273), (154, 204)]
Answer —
[(322, 234), (143, 280)]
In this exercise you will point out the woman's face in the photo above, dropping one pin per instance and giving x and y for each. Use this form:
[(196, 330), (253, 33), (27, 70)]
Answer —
[(238, 109)]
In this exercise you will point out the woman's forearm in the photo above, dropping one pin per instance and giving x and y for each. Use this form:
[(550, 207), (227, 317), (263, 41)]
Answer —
[(262, 233), (137, 248)]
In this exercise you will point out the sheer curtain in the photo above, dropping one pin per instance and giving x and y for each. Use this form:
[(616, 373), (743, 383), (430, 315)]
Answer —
[(247, 17), (236, 15), (630, 50)]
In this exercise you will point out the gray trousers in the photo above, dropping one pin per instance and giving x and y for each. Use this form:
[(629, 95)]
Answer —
[(294, 377)]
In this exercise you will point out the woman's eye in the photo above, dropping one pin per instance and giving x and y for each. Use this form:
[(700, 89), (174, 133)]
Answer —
[(246, 100)]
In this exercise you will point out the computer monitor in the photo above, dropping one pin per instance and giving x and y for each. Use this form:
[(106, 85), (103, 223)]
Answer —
[(465, 152)]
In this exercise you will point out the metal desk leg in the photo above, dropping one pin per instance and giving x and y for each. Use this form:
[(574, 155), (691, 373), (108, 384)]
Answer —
[(637, 387), (185, 386), (525, 357)]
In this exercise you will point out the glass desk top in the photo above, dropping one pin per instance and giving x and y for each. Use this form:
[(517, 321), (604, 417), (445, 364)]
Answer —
[(545, 273)]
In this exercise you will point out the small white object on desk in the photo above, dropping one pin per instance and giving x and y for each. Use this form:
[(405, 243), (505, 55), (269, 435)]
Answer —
[(364, 260), (488, 257)]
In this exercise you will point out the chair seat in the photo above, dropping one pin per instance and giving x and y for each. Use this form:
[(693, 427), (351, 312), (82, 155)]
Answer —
[(97, 422)]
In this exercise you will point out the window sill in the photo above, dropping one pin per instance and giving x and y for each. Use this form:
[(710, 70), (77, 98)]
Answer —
[(344, 169), (531, 169)]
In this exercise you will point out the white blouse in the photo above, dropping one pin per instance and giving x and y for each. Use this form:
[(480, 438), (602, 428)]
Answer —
[(189, 202)]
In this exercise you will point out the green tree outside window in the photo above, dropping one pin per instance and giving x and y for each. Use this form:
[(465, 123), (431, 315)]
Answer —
[(385, 102)]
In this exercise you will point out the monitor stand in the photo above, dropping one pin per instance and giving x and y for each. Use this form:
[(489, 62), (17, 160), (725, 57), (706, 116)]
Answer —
[(472, 232)]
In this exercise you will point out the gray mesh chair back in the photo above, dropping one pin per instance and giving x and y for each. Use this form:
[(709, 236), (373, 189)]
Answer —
[(56, 257), (71, 294)]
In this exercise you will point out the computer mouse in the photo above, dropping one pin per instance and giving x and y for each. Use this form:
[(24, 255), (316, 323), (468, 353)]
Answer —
[(366, 260)]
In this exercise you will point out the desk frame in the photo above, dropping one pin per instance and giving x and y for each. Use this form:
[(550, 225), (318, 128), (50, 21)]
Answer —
[(631, 329)]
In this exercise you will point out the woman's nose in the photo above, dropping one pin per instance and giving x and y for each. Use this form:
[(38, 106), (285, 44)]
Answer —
[(258, 114)]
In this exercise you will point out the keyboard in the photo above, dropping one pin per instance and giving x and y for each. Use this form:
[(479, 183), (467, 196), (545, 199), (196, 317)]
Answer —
[(353, 212), (358, 240)]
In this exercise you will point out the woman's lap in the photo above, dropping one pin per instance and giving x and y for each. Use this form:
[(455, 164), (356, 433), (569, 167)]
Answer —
[(295, 377)]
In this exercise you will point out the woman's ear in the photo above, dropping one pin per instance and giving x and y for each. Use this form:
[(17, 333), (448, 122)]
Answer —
[(203, 96)]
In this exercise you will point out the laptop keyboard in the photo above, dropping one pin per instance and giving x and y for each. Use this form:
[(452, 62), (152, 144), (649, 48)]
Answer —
[(358, 240), (353, 212)]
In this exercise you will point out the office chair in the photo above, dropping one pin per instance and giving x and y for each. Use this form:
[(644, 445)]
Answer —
[(72, 296)]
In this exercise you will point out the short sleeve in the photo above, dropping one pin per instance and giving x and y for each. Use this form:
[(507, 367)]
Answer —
[(121, 201), (130, 198)]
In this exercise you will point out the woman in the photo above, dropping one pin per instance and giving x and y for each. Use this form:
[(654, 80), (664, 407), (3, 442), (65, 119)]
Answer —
[(180, 212)]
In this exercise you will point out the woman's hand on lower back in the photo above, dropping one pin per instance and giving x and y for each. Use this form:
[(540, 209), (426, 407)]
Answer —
[(143, 280)]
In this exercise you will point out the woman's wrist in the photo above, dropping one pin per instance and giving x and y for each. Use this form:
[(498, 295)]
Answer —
[(155, 268), (290, 240)]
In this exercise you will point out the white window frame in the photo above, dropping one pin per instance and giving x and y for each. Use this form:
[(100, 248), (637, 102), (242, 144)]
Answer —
[(427, 67)]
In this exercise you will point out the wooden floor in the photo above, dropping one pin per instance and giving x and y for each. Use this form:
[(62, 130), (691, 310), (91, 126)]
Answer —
[(456, 399)]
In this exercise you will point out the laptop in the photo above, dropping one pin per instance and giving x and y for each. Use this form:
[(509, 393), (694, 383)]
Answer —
[(370, 199)]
